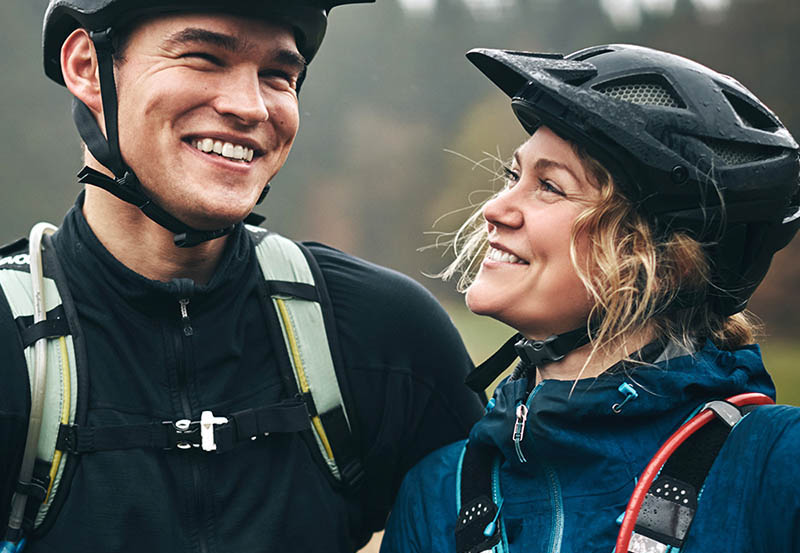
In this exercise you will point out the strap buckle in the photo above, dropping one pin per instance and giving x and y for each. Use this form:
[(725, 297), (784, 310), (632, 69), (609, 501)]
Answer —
[(186, 432), (538, 352), (207, 422)]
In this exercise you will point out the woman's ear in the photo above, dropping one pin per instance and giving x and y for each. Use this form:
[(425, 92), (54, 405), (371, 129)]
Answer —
[(79, 67)]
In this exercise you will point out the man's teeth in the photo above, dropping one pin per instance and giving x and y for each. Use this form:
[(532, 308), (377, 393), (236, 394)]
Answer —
[(503, 257), (224, 149)]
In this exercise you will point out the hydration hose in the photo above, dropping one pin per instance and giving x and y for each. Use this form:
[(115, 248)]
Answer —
[(20, 500), (663, 454)]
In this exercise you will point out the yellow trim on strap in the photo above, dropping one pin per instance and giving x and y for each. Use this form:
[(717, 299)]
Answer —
[(67, 393), (301, 375)]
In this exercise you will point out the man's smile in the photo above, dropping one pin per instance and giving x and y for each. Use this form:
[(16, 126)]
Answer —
[(227, 150)]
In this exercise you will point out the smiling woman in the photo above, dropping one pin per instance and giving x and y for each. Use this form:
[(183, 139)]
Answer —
[(630, 234)]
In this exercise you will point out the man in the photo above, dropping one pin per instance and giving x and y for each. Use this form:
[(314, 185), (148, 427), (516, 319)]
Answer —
[(187, 110)]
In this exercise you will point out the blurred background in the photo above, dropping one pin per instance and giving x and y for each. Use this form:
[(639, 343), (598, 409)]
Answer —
[(388, 99)]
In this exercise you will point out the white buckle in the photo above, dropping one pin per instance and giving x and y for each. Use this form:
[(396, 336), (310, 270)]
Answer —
[(207, 422)]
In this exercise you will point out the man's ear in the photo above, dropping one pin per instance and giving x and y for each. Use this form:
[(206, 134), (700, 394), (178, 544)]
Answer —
[(79, 67)]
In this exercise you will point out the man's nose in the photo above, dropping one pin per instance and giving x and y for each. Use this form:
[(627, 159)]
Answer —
[(242, 98)]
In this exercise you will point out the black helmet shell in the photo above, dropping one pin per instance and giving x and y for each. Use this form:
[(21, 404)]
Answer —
[(307, 17), (691, 148)]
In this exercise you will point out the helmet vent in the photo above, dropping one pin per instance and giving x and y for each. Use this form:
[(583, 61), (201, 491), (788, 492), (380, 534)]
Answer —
[(750, 115), (592, 52), (652, 91), (736, 153)]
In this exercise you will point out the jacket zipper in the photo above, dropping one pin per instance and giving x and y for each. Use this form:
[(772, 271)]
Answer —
[(554, 485), (183, 345), (557, 503), (521, 421)]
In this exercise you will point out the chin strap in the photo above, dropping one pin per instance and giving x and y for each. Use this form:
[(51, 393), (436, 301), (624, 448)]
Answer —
[(532, 353), (125, 184)]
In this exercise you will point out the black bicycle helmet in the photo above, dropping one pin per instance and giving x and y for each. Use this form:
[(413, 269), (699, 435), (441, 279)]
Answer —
[(102, 18), (693, 149)]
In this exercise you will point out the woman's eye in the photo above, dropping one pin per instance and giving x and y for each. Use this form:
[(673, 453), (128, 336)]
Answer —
[(548, 186), (511, 177)]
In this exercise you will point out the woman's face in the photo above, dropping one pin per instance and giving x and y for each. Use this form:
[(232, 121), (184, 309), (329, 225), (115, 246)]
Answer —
[(527, 279)]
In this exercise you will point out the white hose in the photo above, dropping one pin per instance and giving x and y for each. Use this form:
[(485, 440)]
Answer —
[(39, 375)]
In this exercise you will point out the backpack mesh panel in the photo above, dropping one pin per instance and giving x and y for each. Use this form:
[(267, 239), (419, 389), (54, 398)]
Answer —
[(645, 93), (735, 153)]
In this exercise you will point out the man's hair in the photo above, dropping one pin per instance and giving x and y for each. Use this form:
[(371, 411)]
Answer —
[(639, 280)]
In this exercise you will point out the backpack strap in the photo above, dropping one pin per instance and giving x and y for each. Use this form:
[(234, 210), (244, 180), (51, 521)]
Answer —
[(302, 305), (664, 501), (479, 500), (46, 335)]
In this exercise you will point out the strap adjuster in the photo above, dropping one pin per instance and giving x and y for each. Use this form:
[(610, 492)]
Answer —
[(207, 422), (186, 431), (538, 352)]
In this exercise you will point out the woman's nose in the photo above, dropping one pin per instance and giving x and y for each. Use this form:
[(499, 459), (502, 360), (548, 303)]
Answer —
[(502, 210)]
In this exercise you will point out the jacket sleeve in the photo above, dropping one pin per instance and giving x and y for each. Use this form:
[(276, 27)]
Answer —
[(424, 515), (405, 366), (777, 513)]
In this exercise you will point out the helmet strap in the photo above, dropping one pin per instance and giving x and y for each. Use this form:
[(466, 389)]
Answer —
[(125, 185), (532, 353)]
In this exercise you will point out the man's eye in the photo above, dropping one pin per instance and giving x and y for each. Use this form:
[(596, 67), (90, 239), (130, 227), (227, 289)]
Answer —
[(202, 56), (278, 77)]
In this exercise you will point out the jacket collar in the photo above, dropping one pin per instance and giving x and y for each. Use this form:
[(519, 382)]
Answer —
[(86, 259), (572, 424)]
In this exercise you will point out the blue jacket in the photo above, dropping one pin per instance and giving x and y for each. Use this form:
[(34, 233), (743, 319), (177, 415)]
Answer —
[(582, 460)]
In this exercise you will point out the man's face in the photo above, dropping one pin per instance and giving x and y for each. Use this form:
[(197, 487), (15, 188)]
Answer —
[(207, 112)]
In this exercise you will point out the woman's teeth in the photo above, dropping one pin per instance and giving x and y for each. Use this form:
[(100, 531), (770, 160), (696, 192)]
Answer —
[(503, 257), (225, 149)]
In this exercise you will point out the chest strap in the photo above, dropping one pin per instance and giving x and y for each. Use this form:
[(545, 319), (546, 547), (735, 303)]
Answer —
[(211, 433)]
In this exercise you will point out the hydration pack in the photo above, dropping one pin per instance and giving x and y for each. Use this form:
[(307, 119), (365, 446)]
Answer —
[(34, 285)]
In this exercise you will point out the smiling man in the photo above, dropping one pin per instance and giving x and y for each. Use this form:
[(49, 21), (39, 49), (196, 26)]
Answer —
[(221, 388)]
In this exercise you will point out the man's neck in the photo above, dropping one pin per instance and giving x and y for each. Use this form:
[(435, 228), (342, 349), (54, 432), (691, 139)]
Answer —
[(144, 246)]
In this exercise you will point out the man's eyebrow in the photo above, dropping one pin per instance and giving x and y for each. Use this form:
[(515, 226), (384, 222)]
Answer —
[(283, 56), (290, 58), (196, 34)]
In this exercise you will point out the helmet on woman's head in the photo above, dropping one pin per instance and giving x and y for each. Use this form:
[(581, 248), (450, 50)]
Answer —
[(691, 148)]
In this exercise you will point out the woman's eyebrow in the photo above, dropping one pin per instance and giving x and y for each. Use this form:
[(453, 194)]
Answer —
[(545, 163)]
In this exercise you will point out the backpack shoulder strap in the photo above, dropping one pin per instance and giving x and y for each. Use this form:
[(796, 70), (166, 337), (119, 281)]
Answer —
[(479, 500), (664, 501), (37, 306), (302, 305)]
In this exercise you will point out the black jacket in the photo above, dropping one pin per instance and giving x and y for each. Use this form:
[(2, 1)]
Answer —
[(404, 365)]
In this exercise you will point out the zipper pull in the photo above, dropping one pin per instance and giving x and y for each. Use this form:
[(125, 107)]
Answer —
[(187, 324), (629, 392), (519, 430)]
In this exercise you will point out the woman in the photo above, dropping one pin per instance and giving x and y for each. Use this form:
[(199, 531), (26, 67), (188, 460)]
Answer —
[(636, 222)]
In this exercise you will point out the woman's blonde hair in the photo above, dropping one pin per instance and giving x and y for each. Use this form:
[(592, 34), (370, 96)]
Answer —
[(639, 281)]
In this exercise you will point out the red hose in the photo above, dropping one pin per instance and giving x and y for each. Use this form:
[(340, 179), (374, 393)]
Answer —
[(651, 471)]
